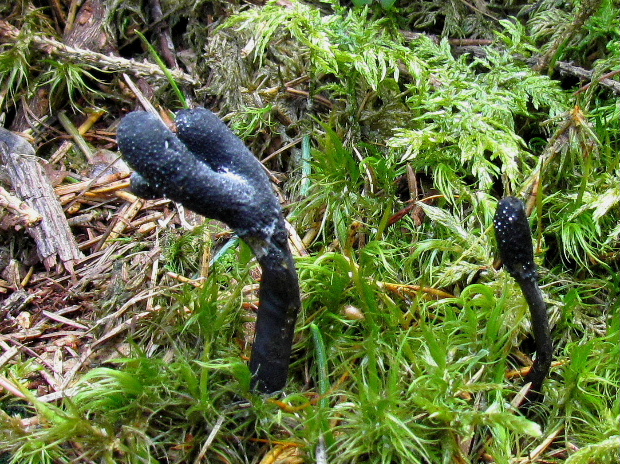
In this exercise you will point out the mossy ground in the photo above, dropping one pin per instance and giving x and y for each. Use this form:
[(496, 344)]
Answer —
[(391, 131)]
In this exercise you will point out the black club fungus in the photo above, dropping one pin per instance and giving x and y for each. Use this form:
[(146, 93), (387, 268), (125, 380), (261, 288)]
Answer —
[(209, 170), (514, 239)]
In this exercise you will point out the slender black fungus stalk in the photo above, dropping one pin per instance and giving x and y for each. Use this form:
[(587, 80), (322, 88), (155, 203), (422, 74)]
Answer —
[(209, 170), (514, 239)]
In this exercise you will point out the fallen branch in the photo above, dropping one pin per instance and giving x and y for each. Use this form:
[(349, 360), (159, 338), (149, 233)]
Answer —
[(9, 33), (583, 73)]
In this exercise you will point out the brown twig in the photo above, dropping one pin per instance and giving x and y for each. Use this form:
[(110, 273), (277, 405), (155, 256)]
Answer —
[(604, 80), (414, 290), (302, 93), (165, 37)]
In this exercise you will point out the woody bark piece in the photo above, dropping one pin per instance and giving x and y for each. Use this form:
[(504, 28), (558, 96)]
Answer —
[(87, 31), (52, 236)]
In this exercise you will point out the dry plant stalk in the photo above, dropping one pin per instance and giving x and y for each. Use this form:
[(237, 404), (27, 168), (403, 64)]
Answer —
[(26, 215)]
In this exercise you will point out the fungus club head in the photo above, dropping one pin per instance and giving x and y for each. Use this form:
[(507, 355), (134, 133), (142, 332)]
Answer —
[(148, 145), (205, 167), (514, 239)]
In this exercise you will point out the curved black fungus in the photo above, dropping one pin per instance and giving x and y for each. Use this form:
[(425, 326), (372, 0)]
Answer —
[(209, 170), (514, 239)]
